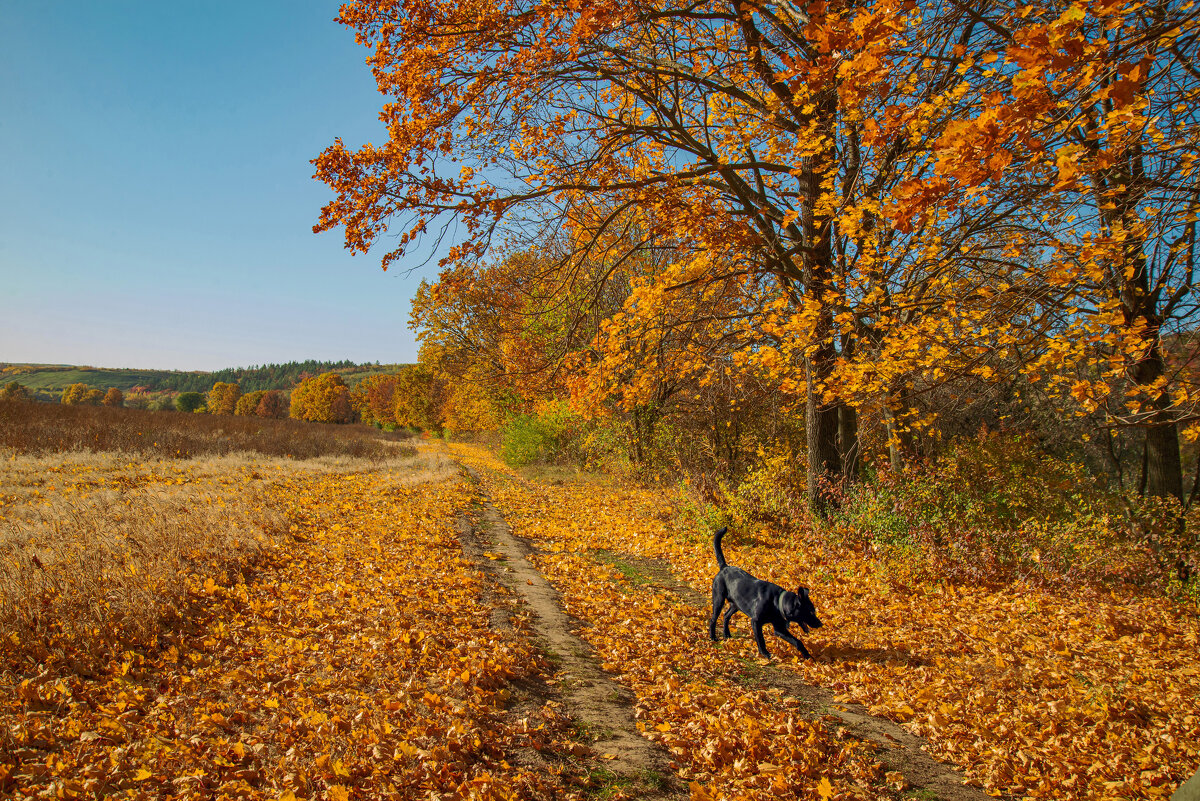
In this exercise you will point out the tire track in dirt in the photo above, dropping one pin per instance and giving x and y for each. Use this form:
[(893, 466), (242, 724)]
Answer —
[(601, 707), (899, 749)]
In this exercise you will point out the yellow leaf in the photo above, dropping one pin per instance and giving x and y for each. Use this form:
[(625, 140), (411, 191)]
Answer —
[(338, 793), (824, 788), (142, 775), (271, 703)]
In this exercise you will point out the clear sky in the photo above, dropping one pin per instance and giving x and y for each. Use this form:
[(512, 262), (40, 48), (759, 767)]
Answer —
[(156, 200)]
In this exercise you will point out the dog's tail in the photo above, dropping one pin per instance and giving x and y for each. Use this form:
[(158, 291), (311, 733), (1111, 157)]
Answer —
[(717, 546)]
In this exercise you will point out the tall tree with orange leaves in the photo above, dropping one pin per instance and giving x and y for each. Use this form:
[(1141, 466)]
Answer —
[(715, 120)]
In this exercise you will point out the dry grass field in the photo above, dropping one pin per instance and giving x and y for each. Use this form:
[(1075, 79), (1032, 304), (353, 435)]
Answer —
[(100, 546), (53, 428)]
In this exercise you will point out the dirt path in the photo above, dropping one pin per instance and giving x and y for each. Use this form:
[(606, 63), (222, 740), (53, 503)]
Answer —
[(600, 707)]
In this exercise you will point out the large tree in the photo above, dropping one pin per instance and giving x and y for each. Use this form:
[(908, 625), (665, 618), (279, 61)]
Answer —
[(715, 121)]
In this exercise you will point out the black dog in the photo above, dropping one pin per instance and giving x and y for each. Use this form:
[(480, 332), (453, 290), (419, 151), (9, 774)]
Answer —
[(761, 601)]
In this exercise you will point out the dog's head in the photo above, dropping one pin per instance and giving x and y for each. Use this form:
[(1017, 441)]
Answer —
[(798, 608)]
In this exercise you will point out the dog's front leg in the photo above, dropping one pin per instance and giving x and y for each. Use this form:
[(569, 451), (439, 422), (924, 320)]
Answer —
[(758, 638), (785, 635)]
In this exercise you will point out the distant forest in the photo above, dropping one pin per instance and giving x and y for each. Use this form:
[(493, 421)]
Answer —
[(252, 379), (46, 381)]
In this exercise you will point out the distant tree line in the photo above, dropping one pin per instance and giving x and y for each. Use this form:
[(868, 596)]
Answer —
[(385, 400), (250, 379)]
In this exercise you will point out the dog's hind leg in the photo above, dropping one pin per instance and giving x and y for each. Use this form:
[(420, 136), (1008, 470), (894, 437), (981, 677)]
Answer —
[(729, 613), (786, 636), (718, 602)]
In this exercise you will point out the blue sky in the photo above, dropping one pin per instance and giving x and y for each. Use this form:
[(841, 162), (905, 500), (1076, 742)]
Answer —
[(156, 200)]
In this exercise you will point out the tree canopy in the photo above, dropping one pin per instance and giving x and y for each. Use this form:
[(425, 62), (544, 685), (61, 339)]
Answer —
[(876, 208)]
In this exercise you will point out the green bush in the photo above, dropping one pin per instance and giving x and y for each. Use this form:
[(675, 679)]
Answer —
[(189, 401), (524, 440), (554, 434), (773, 492)]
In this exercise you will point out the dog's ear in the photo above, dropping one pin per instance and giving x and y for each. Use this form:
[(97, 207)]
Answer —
[(802, 592)]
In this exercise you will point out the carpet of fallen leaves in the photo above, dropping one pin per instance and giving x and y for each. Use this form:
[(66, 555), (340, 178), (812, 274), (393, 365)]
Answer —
[(358, 658), (1030, 693), (359, 662)]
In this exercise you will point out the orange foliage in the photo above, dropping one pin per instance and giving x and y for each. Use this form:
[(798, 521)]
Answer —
[(223, 398), (322, 399), (861, 202)]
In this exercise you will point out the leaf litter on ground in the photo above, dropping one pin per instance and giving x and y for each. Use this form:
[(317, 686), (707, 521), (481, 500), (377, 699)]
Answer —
[(1030, 692), (352, 657), (357, 662)]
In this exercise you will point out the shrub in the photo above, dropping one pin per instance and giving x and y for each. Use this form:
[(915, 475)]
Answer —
[(372, 399), (322, 399), (247, 405), (75, 394), (223, 398), (114, 397), (997, 508), (553, 434), (15, 392), (775, 491), (189, 401), (272, 406), (524, 440)]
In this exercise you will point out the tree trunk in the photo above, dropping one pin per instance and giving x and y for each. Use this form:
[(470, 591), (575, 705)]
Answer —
[(1164, 468), (821, 433), (900, 443), (821, 419), (1118, 189), (848, 441)]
